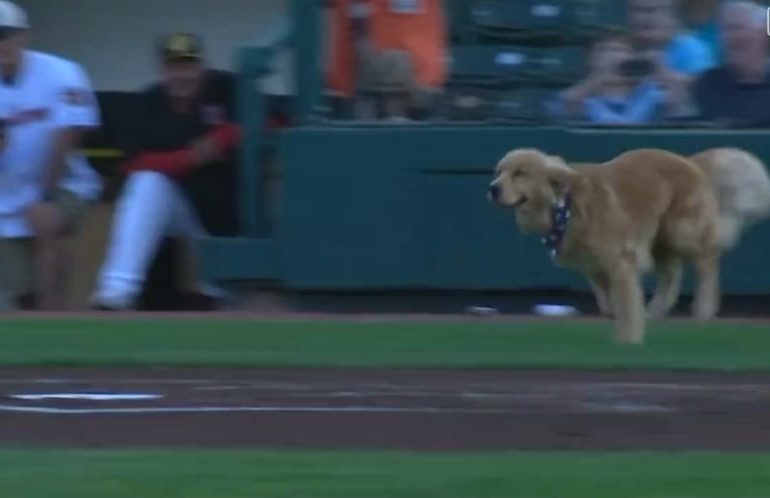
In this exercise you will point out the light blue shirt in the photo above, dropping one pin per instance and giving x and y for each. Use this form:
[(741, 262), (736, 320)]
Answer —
[(644, 104), (689, 55), (710, 35)]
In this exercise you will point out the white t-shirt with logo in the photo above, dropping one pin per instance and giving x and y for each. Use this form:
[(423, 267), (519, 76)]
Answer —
[(49, 93)]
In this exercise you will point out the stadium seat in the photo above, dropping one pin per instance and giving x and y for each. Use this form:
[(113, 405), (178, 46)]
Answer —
[(523, 104), (558, 64), (518, 18), (458, 15), (590, 16), (489, 65), (516, 103), (468, 103)]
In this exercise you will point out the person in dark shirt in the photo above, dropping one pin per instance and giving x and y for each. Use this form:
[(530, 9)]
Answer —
[(737, 93), (181, 169)]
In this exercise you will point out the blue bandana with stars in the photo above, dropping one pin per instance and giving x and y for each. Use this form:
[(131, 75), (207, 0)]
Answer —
[(560, 214)]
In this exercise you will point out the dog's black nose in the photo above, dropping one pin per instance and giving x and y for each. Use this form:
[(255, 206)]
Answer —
[(494, 191)]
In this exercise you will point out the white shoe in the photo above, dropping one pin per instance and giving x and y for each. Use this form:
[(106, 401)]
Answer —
[(110, 302)]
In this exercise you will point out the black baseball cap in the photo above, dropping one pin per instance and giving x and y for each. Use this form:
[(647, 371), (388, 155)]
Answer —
[(181, 46)]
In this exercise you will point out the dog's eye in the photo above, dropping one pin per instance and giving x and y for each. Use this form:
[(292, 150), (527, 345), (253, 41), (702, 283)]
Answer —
[(517, 174)]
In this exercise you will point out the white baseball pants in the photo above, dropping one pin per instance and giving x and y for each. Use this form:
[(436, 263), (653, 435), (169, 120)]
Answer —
[(150, 208)]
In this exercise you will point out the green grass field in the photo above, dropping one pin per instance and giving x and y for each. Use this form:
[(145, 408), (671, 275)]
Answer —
[(450, 344), (157, 474), (473, 344)]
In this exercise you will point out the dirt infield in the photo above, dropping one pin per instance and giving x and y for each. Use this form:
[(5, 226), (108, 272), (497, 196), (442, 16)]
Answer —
[(392, 409)]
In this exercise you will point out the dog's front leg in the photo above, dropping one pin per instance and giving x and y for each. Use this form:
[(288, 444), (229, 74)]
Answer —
[(668, 270), (628, 303), (600, 284), (706, 302)]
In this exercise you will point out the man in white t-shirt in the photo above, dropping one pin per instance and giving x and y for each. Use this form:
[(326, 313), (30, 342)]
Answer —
[(46, 185)]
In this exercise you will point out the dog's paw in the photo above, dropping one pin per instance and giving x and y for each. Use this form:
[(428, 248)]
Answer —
[(631, 337), (657, 313), (606, 313), (604, 307), (704, 313), (705, 307), (658, 308)]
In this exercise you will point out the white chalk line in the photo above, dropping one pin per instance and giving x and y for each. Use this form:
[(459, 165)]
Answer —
[(564, 397), (410, 389), (583, 408), (242, 409)]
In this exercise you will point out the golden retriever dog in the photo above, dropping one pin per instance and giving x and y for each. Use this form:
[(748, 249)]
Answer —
[(646, 209)]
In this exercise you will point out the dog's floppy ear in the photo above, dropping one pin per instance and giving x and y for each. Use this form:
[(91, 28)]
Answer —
[(559, 175), (559, 182), (557, 162)]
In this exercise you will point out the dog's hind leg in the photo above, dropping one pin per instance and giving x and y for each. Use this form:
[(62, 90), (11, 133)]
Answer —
[(668, 273), (706, 303)]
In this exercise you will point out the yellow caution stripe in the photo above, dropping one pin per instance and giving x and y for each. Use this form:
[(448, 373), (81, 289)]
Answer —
[(103, 153)]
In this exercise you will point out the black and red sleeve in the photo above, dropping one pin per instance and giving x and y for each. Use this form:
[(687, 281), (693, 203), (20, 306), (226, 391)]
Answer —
[(146, 141), (149, 149)]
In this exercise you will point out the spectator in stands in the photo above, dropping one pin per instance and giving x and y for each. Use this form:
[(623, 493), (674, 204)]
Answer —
[(182, 169), (619, 89), (388, 57), (656, 35), (700, 17), (738, 92)]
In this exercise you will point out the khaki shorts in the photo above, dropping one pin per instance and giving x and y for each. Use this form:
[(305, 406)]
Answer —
[(17, 275)]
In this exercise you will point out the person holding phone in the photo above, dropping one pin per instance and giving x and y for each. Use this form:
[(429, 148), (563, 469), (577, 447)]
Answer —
[(620, 88)]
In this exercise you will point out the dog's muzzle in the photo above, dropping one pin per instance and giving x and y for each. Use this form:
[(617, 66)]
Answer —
[(522, 200), (493, 194)]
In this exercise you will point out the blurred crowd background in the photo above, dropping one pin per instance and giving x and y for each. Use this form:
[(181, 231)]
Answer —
[(592, 62)]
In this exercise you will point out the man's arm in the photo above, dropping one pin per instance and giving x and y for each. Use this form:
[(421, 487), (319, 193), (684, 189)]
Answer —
[(146, 156), (676, 85), (177, 162), (66, 140), (75, 111), (572, 98)]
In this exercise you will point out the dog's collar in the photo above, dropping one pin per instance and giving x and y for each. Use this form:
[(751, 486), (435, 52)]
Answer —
[(560, 215)]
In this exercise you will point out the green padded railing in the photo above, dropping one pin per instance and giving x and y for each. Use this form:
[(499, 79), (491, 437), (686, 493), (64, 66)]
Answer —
[(249, 257), (255, 62), (307, 16)]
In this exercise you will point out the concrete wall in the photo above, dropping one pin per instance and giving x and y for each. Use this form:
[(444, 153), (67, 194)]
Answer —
[(114, 39)]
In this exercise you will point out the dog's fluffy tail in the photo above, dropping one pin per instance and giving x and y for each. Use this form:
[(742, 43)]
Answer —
[(742, 187)]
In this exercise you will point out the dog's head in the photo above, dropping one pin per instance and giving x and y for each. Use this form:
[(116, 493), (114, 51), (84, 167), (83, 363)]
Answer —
[(530, 182)]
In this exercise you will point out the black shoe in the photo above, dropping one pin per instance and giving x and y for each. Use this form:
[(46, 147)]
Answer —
[(27, 302)]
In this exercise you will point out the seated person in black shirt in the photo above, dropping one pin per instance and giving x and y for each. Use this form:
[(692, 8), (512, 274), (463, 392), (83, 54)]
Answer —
[(738, 92), (182, 169)]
